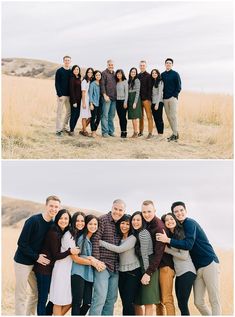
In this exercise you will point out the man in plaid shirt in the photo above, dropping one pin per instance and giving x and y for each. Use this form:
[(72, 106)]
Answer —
[(106, 282)]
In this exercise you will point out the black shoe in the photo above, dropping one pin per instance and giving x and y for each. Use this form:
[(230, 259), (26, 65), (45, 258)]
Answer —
[(123, 135), (170, 137), (59, 133), (140, 134), (173, 138)]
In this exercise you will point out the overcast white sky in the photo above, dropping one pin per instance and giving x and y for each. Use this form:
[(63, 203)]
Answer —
[(197, 34), (205, 186)]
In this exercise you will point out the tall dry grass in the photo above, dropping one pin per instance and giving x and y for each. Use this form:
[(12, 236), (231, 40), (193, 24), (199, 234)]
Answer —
[(212, 110), (26, 101), (28, 126), (9, 242)]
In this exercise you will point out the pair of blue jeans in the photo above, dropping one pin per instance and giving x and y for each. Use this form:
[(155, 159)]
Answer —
[(105, 293), (108, 114), (43, 283)]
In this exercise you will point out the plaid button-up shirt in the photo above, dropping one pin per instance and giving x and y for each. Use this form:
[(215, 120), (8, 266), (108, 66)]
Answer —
[(107, 232)]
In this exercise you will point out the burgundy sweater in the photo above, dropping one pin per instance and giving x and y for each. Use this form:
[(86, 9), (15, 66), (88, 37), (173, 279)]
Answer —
[(75, 91), (51, 247), (145, 86)]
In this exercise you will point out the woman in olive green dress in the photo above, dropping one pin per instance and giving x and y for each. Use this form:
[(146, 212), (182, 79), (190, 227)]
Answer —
[(134, 102), (148, 295)]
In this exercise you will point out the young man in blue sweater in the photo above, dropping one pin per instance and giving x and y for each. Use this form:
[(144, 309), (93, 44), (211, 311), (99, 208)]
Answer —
[(171, 90), (28, 252), (62, 79), (203, 257)]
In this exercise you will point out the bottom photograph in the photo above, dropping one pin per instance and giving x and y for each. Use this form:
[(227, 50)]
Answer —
[(117, 237)]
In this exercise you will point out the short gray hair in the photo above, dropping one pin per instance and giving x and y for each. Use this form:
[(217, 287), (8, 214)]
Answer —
[(120, 201), (109, 61)]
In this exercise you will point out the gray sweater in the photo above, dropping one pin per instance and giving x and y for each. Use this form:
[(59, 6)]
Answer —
[(146, 247), (136, 88), (122, 91), (182, 261), (128, 261), (157, 93)]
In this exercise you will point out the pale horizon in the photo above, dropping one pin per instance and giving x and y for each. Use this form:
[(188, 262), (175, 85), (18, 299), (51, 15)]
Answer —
[(205, 186), (197, 35)]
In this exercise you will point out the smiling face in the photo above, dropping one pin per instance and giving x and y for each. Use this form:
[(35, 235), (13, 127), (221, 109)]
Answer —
[(137, 222), (168, 65), (63, 222), (90, 73), (110, 66), (98, 76), (92, 226), (154, 74), (80, 222), (143, 67), (119, 76), (148, 212), (180, 212), (133, 73), (52, 208), (76, 71), (118, 211), (67, 62), (170, 222), (125, 227)]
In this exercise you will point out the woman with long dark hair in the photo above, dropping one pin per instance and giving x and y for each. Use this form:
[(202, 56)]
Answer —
[(75, 93), (82, 274), (157, 100), (149, 294), (95, 104), (85, 106), (52, 249), (129, 265), (121, 102), (134, 102), (184, 268)]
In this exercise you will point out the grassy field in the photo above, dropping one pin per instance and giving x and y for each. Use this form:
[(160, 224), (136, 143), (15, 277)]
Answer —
[(28, 128), (9, 240)]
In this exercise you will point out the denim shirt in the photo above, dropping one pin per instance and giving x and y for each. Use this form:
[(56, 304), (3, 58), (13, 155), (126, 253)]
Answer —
[(85, 271), (94, 93)]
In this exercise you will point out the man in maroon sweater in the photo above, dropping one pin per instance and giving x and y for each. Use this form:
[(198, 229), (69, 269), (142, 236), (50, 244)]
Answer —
[(162, 260), (146, 96)]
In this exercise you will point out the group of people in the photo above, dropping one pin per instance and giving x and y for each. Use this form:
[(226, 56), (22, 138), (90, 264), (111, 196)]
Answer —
[(99, 95), (81, 262)]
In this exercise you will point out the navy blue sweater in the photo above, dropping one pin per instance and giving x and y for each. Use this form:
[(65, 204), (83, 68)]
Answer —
[(172, 84), (62, 79), (196, 242), (31, 239)]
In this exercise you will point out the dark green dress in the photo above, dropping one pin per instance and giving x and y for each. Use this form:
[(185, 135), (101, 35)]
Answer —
[(134, 96), (149, 294)]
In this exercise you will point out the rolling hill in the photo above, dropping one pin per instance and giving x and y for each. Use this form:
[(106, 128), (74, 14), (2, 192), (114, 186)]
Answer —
[(15, 211)]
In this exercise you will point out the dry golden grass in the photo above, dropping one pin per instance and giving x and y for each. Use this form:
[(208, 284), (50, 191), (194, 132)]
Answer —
[(28, 128), (9, 241)]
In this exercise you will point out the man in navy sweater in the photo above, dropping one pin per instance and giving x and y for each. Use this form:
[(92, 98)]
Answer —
[(171, 90), (203, 257), (62, 79), (28, 252)]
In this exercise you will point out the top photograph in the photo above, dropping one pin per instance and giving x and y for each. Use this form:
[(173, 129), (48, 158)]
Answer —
[(117, 80)]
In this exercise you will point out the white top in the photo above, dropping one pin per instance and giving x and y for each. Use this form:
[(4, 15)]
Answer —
[(182, 260), (60, 288), (85, 113)]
